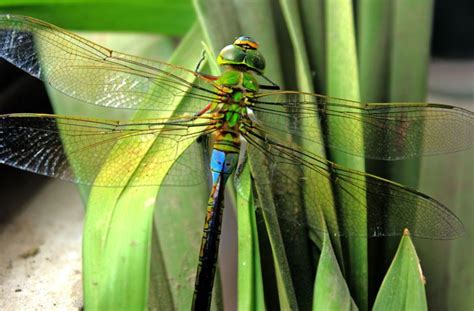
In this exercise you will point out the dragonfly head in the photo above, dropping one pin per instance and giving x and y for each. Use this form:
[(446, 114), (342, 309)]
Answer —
[(243, 53)]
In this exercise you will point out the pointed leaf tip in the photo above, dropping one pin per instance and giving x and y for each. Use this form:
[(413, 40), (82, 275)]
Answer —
[(404, 283)]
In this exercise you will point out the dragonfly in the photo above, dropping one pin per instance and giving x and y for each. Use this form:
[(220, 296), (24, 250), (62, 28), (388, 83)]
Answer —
[(232, 110)]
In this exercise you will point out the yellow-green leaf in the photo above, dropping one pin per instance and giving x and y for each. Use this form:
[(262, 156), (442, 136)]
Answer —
[(403, 287)]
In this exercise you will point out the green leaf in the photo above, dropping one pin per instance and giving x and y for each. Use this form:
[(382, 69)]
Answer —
[(460, 267), (249, 278), (373, 26), (312, 14), (330, 289), (218, 21), (263, 28), (118, 225), (409, 61), (145, 45), (265, 201), (404, 284), (394, 57), (179, 219), (448, 265), (293, 21), (320, 187), (342, 81), (410, 50), (158, 16)]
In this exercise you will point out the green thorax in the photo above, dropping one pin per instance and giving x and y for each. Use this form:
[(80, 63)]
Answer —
[(237, 79), (238, 87)]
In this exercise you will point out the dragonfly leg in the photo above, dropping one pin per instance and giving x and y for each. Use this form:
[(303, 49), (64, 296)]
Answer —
[(198, 68), (272, 86), (203, 57), (203, 111)]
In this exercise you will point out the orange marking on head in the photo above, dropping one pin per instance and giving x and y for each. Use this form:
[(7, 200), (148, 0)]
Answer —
[(252, 44)]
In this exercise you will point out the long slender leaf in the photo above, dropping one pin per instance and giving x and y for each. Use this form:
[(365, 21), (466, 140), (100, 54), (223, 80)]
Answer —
[(249, 280), (313, 19), (373, 47), (286, 290), (374, 41), (448, 265), (409, 59), (409, 67), (342, 81)]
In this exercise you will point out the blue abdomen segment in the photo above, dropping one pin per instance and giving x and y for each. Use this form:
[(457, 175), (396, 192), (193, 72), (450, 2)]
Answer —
[(222, 164)]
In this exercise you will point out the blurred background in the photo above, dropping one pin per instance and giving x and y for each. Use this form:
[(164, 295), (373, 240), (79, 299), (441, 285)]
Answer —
[(41, 219)]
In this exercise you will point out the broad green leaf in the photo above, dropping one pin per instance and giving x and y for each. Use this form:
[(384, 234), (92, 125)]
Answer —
[(404, 285), (342, 81), (330, 289), (118, 226), (157, 16), (152, 46)]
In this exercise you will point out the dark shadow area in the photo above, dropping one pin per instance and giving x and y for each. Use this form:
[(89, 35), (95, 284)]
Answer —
[(453, 29), (19, 92), (17, 187)]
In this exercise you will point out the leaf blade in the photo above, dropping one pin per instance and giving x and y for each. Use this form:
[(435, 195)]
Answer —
[(404, 283)]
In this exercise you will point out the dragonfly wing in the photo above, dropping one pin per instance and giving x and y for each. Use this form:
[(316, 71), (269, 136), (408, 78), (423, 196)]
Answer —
[(76, 149), (96, 75), (422, 215), (391, 131)]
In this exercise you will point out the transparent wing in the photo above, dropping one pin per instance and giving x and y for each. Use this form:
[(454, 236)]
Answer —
[(96, 75), (75, 149), (422, 215), (391, 131)]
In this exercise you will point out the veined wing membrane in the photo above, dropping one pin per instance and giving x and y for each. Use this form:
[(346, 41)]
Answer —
[(96, 75), (422, 215), (397, 127), (75, 149)]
